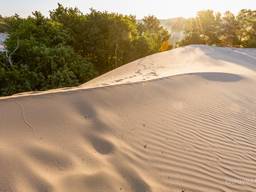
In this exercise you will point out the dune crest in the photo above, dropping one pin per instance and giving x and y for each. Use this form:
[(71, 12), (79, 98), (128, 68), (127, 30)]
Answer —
[(180, 61), (190, 128)]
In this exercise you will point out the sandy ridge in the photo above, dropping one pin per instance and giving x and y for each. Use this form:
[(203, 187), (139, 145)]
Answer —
[(192, 128)]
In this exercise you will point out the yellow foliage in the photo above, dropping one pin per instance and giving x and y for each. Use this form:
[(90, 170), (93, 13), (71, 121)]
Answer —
[(165, 46)]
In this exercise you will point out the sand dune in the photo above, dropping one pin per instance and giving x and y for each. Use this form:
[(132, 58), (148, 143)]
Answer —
[(192, 127)]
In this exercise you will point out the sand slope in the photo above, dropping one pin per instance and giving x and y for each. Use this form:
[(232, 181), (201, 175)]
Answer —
[(191, 128)]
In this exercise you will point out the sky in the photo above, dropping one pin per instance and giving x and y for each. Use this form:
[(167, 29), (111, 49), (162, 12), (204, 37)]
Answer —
[(163, 9)]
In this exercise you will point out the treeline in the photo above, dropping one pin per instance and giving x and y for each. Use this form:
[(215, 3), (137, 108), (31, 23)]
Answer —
[(70, 47), (229, 30)]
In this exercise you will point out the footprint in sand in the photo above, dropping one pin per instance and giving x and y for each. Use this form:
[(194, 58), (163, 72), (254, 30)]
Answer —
[(98, 182), (53, 159), (101, 145)]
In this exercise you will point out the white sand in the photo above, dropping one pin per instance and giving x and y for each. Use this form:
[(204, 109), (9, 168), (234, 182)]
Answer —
[(192, 128)]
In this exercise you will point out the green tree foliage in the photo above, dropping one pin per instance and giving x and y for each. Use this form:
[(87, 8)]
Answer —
[(192, 34), (151, 29), (223, 30), (203, 29), (3, 25), (229, 30), (247, 27), (110, 40), (107, 39), (43, 59), (70, 48), (74, 22)]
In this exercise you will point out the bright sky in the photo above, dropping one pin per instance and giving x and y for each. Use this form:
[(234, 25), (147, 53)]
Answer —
[(160, 8)]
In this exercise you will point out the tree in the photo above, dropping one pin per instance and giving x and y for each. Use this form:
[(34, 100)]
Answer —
[(73, 20), (110, 40), (101, 37), (247, 27), (44, 59), (192, 34), (203, 29), (109, 36), (70, 47), (208, 26), (154, 33), (229, 30)]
